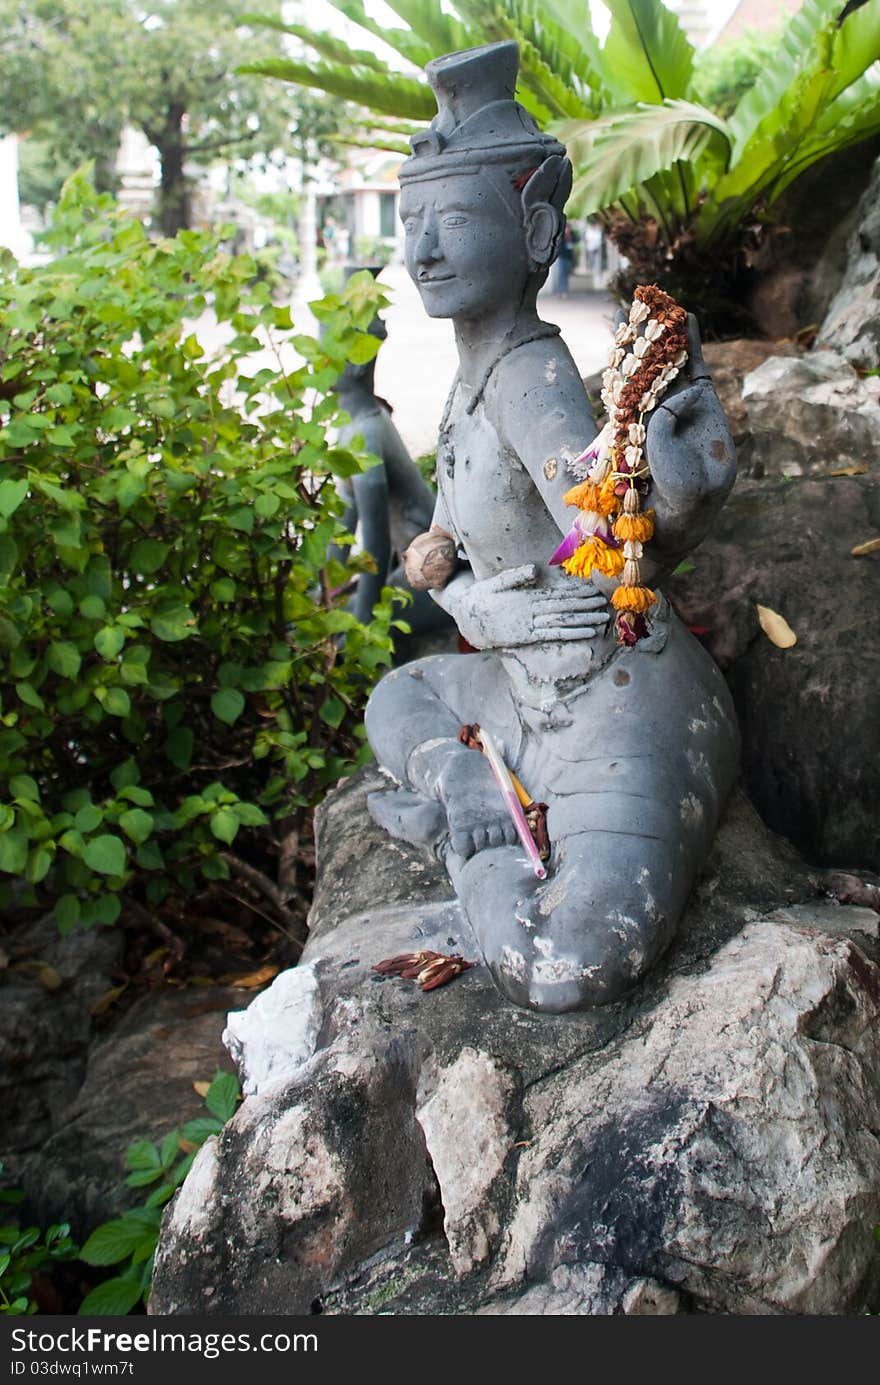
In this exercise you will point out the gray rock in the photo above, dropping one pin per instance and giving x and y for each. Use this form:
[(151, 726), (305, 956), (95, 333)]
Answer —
[(852, 323), (730, 362), (810, 733), (138, 1085), (810, 414), (45, 1033), (278, 1032), (707, 1144)]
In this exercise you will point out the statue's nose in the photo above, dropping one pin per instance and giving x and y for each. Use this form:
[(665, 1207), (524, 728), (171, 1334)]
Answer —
[(427, 244)]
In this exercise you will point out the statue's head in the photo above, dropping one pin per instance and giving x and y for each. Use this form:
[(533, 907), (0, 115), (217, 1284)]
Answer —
[(482, 196)]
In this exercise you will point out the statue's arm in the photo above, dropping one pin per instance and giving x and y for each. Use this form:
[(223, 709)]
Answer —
[(692, 458), (689, 449), (543, 416)]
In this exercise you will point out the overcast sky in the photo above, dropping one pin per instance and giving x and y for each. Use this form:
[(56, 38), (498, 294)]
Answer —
[(319, 14)]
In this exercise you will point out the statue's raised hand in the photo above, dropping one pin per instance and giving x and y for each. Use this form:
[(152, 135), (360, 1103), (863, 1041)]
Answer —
[(531, 604), (691, 455)]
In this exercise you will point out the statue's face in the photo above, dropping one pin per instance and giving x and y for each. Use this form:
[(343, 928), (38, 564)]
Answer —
[(465, 245)]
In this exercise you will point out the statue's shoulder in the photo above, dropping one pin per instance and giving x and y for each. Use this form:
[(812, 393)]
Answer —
[(537, 385), (537, 367)]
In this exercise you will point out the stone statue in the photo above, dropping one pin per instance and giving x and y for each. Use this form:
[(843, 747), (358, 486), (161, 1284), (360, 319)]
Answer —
[(392, 503), (631, 749)]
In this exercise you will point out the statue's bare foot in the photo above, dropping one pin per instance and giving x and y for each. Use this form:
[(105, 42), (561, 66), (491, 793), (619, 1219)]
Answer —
[(474, 807)]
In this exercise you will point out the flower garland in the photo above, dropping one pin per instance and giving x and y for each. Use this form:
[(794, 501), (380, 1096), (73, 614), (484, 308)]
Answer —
[(609, 532)]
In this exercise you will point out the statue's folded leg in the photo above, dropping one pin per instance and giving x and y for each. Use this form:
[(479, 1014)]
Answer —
[(446, 793), (626, 848), (588, 933)]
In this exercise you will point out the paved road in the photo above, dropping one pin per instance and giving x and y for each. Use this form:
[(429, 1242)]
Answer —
[(417, 363)]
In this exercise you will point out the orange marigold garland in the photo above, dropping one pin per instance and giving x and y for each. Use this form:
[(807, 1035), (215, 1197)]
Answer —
[(610, 530)]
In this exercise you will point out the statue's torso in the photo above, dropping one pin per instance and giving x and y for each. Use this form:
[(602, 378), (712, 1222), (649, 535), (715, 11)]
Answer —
[(495, 508)]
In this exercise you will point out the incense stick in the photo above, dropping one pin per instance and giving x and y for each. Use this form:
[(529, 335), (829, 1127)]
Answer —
[(512, 803)]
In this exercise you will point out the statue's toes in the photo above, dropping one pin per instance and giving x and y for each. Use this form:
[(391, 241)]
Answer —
[(480, 838), (463, 844), (408, 816), (500, 834)]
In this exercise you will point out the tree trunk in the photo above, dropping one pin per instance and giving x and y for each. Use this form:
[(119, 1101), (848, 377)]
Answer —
[(174, 200)]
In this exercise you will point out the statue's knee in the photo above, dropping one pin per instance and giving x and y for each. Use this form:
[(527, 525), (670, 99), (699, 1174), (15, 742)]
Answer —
[(575, 958)]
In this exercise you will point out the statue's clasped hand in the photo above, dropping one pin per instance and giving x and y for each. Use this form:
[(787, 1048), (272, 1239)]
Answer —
[(531, 604)]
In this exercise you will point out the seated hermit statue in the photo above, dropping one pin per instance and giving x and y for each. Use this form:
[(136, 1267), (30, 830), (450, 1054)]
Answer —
[(608, 712)]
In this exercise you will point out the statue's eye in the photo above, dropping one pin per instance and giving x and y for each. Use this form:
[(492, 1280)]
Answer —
[(455, 221)]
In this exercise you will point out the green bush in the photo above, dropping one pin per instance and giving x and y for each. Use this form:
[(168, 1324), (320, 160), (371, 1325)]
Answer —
[(175, 667)]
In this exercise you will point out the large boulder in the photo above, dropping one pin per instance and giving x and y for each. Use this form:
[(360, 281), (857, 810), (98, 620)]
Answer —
[(137, 1084), (811, 736), (852, 323), (48, 987), (730, 362), (708, 1144), (810, 414)]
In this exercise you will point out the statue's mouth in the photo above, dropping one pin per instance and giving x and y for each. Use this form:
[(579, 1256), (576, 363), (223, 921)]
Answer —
[(435, 278)]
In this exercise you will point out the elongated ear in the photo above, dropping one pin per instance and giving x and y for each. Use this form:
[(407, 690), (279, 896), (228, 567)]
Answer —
[(543, 198)]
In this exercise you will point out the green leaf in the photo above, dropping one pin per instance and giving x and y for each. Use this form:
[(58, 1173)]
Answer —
[(159, 1196), (202, 1128), (215, 868), (12, 493), (168, 1152), (88, 818), (646, 56), (388, 93), (173, 624), (93, 608), (106, 855), (66, 911), (136, 824), (14, 850), (29, 696), (332, 711), (142, 1155), (114, 1298), (38, 864), (8, 560), (241, 519), (227, 705), (104, 909), (179, 747), (148, 555), (109, 641), (267, 505), (73, 843), (126, 775), (23, 786), (224, 825), (223, 589), (116, 702), (133, 793), (362, 349), (64, 659), (222, 1096), (149, 857), (624, 150), (118, 1239), (129, 489)]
